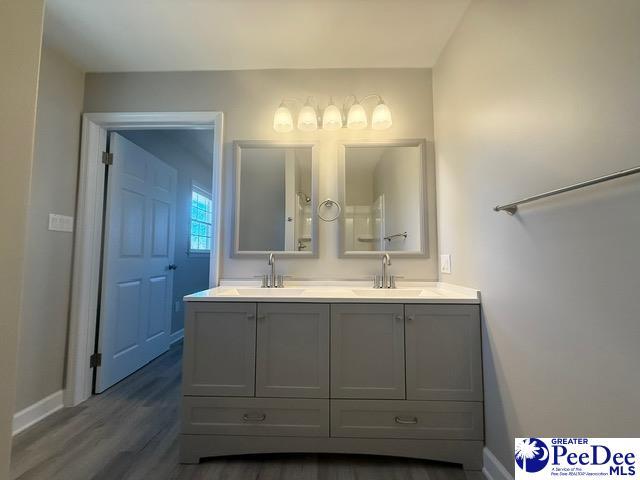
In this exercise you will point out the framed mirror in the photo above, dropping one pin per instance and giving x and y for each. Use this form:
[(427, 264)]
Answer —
[(383, 193), (275, 199)]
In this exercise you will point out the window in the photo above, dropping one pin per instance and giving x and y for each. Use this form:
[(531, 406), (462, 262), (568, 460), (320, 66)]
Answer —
[(201, 213)]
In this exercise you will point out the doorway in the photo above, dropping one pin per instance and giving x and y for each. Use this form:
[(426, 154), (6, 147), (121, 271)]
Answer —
[(157, 234), (103, 321)]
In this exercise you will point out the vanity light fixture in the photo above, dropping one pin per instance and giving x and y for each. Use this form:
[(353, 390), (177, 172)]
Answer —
[(282, 119), (352, 115), (381, 117), (332, 117), (357, 118), (307, 118)]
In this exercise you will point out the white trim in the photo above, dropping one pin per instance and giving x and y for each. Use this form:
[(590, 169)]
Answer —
[(36, 412), (493, 469), (86, 266), (176, 336)]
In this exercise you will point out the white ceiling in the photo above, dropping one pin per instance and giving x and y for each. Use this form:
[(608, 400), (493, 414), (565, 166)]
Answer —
[(167, 35)]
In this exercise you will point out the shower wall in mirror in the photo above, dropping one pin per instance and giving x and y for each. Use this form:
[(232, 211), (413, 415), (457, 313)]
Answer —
[(383, 193), (275, 199)]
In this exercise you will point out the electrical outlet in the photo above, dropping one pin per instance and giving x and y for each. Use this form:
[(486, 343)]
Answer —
[(445, 263), (60, 223), (177, 306)]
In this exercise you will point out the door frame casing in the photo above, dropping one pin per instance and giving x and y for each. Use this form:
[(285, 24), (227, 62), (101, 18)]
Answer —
[(88, 228)]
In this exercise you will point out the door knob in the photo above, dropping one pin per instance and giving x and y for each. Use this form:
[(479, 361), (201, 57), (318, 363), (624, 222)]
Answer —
[(172, 266)]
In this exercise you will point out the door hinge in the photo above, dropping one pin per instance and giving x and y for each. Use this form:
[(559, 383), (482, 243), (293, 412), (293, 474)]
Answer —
[(95, 360), (107, 158)]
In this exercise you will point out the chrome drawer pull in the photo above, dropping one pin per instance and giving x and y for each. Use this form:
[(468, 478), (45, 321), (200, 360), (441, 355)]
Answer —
[(406, 420), (254, 418)]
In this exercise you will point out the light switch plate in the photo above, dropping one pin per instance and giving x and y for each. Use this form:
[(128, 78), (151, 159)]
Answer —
[(60, 223), (445, 263)]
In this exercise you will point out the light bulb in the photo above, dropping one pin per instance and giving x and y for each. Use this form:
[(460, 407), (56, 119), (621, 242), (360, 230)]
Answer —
[(332, 118), (381, 117), (357, 117), (307, 119), (282, 120)]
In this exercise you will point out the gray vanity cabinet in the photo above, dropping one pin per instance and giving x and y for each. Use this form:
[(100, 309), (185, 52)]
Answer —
[(292, 350), (444, 360), (367, 351), (219, 349), (286, 376)]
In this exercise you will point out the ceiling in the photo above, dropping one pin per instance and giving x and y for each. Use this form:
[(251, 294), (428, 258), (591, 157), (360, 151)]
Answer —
[(168, 35), (196, 143)]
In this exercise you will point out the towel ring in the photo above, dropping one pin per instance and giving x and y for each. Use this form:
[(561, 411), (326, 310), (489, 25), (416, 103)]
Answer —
[(329, 204)]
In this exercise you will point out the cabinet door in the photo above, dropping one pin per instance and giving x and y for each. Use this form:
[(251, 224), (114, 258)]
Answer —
[(444, 360), (219, 349), (292, 350), (367, 351)]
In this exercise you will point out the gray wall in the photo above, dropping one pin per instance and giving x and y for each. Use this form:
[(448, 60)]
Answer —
[(20, 44), (262, 199), (47, 267), (248, 100), (531, 96), (180, 149)]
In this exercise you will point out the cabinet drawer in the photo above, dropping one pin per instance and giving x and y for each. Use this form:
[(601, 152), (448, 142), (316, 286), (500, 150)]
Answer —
[(407, 419), (255, 416)]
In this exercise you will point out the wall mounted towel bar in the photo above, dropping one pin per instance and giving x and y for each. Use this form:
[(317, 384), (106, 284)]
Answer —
[(388, 238), (512, 208)]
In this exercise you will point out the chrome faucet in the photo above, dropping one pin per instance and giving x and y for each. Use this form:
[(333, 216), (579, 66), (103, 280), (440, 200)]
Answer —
[(273, 281), (384, 281)]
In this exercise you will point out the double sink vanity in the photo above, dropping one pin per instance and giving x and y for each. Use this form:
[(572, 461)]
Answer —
[(385, 367), (339, 367)]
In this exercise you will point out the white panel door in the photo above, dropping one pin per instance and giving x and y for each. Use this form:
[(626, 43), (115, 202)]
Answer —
[(137, 283)]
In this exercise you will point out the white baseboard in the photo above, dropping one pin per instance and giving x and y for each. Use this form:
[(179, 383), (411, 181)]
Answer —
[(36, 412), (176, 336), (493, 469)]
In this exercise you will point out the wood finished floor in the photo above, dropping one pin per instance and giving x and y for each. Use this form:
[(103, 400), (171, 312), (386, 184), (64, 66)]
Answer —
[(131, 432)]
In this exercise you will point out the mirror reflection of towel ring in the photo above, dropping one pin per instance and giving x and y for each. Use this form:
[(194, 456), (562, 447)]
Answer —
[(329, 204)]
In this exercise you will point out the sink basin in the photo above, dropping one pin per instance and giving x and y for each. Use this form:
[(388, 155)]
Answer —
[(263, 292), (386, 292)]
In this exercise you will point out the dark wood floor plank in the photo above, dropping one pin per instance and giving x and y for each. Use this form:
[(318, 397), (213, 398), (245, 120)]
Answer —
[(130, 432)]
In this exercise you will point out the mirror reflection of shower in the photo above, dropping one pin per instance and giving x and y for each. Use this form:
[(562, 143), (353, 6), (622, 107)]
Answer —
[(305, 198), (303, 226)]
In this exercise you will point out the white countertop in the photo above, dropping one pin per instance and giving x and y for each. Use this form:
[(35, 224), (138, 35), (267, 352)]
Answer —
[(337, 292)]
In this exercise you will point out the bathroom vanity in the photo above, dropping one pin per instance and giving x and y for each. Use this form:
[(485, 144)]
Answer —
[(338, 368)]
